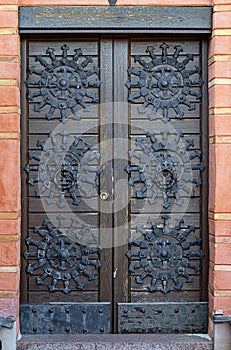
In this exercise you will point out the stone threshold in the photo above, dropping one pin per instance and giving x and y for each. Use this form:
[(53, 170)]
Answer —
[(115, 342)]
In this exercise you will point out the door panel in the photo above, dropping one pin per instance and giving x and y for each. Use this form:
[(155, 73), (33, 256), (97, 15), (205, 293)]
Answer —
[(130, 224), (50, 66)]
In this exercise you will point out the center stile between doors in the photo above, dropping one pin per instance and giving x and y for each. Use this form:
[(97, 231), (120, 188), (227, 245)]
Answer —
[(114, 177)]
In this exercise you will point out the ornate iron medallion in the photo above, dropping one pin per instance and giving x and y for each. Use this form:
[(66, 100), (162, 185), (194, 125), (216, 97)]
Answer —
[(61, 258), (164, 255), (63, 83), (164, 82), (165, 167), (64, 169)]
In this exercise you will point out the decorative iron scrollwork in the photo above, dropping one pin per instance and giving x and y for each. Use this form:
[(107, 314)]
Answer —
[(164, 255), (60, 257), (165, 167), (64, 169), (63, 83), (164, 82)]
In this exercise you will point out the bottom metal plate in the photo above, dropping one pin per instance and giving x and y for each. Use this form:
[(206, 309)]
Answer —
[(185, 317), (60, 318)]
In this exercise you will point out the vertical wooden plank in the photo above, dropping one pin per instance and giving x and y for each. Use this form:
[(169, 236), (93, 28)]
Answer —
[(121, 191), (106, 149), (24, 204), (205, 157)]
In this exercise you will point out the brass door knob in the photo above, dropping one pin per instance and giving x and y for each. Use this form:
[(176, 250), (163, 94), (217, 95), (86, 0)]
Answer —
[(104, 195)]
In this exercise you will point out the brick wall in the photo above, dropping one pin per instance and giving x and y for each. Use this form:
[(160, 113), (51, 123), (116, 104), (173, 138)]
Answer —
[(220, 169), (9, 158), (219, 138)]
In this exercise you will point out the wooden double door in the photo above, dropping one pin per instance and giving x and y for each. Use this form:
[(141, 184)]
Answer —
[(114, 151)]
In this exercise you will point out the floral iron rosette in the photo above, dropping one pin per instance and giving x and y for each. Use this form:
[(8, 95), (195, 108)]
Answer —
[(164, 255), (164, 167), (63, 83), (164, 82), (61, 257), (63, 170)]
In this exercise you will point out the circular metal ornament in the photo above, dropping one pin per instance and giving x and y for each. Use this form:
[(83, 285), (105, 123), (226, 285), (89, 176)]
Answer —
[(164, 82), (61, 257), (63, 169), (163, 255), (63, 83), (164, 167)]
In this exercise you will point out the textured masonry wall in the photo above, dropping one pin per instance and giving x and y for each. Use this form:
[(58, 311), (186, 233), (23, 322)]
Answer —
[(220, 148), (9, 159), (220, 169)]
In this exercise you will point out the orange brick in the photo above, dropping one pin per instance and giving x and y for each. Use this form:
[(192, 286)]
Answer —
[(219, 96), (221, 2), (9, 253), (9, 306), (219, 227), (10, 227), (220, 70), (211, 303), (212, 177), (219, 45), (9, 175), (223, 303), (62, 2), (9, 281), (164, 3), (8, 19), (9, 96), (222, 280), (220, 253), (211, 278), (8, 2), (9, 122), (210, 327), (9, 45), (222, 20), (9, 70), (223, 179), (211, 251), (220, 125)]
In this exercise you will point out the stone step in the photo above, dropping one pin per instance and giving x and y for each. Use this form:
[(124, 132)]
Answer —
[(114, 342)]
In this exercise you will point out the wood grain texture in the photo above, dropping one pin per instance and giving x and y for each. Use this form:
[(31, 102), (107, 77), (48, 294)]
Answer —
[(112, 128), (71, 18)]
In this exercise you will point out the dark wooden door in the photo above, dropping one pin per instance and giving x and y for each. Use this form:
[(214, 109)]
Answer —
[(114, 184)]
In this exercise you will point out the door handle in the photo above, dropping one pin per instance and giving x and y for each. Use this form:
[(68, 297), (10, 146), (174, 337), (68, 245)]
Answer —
[(104, 195)]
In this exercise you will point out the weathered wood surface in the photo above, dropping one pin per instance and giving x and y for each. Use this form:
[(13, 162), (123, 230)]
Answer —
[(158, 18)]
